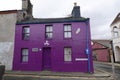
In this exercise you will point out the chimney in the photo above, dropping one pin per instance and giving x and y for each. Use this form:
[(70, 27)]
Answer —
[(27, 6), (76, 11), (24, 4)]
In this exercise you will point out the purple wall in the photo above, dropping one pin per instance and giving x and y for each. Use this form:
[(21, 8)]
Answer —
[(57, 44)]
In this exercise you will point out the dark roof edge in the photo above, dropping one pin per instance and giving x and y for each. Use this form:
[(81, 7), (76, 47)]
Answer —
[(8, 11), (19, 23)]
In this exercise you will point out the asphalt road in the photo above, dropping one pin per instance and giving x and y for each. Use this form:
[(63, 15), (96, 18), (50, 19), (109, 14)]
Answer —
[(108, 68)]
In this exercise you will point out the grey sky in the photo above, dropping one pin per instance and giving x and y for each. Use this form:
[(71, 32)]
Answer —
[(100, 12)]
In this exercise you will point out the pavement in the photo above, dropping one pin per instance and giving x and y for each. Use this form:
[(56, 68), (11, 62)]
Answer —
[(98, 74), (48, 75), (108, 63)]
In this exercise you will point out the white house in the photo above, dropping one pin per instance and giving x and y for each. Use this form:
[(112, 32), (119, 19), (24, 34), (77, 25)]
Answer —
[(115, 30)]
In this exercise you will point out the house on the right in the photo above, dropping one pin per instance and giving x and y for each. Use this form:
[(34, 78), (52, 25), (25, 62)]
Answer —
[(115, 30)]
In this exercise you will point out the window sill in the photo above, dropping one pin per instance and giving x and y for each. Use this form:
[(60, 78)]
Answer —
[(24, 62), (68, 62), (67, 38)]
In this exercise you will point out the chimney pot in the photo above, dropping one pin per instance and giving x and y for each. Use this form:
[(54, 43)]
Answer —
[(75, 4)]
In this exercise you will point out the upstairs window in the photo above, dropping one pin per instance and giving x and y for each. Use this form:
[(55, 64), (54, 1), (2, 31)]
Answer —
[(67, 31), (115, 32), (25, 55), (48, 31), (67, 54), (26, 33)]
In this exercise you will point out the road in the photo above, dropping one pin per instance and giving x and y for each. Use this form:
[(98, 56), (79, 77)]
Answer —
[(108, 68)]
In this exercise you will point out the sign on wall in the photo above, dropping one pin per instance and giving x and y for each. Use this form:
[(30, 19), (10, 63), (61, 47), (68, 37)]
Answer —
[(35, 49)]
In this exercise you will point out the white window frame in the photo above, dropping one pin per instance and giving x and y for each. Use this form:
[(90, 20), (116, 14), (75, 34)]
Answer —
[(26, 33), (67, 54), (67, 31), (48, 31), (115, 32), (25, 53)]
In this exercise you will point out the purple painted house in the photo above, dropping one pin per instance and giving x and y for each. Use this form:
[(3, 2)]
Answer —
[(55, 44)]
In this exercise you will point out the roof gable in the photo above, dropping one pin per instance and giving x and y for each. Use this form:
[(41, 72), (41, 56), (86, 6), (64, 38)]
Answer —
[(116, 19)]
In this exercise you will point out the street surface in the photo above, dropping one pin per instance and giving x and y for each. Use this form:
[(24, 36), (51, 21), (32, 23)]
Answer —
[(108, 68)]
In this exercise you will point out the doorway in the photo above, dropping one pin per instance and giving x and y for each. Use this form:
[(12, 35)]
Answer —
[(46, 58)]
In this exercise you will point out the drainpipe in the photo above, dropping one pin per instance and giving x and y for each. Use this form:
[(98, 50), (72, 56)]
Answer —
[(87, 45), (111, 42)]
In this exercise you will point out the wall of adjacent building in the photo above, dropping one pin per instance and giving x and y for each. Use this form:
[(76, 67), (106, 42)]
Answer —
[(8, 20), (116, 41), (100, 52), (7, 32)]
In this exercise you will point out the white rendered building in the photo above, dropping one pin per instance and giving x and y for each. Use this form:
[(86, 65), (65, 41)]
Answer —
[(115, 30)]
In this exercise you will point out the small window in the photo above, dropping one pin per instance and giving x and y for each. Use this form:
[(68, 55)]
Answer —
[(115, 31), (115, 34), (48, 32), (25, 55), (67, 31), (26, 33), (67, 54)]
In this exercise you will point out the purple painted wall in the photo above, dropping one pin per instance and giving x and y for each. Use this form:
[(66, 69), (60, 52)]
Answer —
[(57, 44)]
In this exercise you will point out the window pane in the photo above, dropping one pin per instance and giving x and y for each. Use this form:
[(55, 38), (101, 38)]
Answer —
[(46, 35), (47, 29), (49, 35), (115, 29), (67, 31), (26, 30), (115, 34), (67, 54), (65, 28), (69, 34), (24, 51), (50, 29), (25, 59), (24, 55), (26, 36), (69, 27), (67, 58), (65, 34), (67, 50)]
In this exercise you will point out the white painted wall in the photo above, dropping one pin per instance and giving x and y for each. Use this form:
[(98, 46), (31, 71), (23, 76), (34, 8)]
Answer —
[(7, 32), (116, 41), (6, 54)]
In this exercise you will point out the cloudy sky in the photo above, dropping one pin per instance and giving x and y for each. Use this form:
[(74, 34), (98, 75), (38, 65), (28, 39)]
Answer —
[(100, 12)]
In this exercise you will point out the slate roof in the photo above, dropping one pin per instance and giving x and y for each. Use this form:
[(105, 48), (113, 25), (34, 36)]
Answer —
[(52, 20), (105, 43)]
